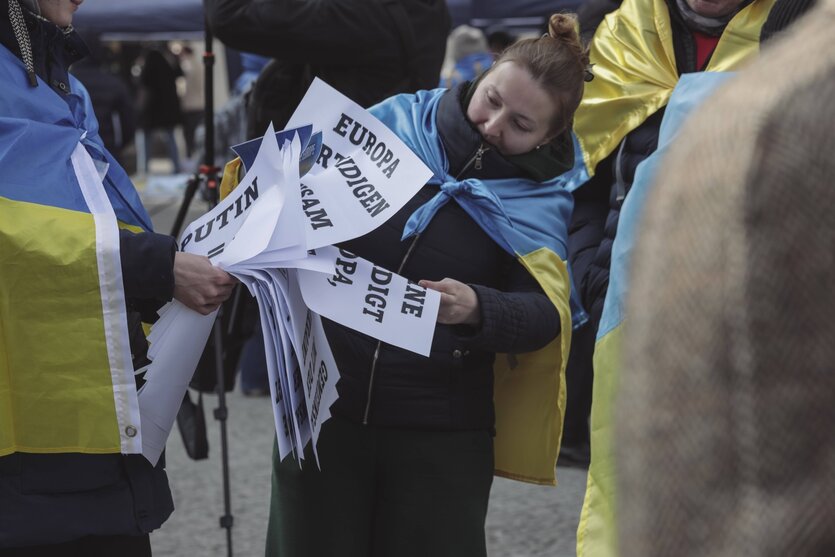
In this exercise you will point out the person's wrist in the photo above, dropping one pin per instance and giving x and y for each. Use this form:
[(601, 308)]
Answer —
[(474, 315)]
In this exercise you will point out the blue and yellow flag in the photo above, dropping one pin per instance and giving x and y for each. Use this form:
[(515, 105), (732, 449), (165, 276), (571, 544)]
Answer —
[(66, 377), (529, 220), (596, 534), (635, 73)]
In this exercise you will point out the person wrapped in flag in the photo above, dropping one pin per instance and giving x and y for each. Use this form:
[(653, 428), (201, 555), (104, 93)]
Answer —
[(80, 267), (408, 457), (639, 54)]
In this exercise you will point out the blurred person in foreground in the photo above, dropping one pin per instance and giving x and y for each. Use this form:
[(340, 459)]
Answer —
[(80, 268), (638, 55), (731, 329), (408, 457)]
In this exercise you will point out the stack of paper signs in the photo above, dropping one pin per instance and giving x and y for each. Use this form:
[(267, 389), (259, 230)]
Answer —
[(275, 232)]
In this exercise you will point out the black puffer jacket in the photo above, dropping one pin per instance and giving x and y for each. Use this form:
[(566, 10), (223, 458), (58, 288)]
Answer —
[(453, 388), (598, 202), (597, 211)]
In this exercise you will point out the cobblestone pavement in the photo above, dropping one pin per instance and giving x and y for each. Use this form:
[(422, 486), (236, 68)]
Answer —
[(523, 520)]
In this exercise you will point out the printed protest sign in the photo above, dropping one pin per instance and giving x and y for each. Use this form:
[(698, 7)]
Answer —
[(364, 173), (275, 233), (372, 300)]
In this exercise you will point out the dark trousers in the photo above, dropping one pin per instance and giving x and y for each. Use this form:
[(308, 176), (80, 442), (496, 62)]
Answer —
[(383, 493), (90, 546)]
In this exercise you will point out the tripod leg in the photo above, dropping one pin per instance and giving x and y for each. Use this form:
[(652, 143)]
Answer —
[(221, 413), (191, 189)]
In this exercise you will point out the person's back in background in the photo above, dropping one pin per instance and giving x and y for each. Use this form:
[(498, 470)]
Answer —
[(110, 97), (368, 50), (193, 99), (159, 104)]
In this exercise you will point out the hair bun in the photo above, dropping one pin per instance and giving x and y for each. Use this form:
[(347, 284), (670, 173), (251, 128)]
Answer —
[(565, 29)]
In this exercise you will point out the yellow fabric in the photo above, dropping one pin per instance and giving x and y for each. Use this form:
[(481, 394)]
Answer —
[(231, 177), (530, 396), (635, 69), (596, 532), (56, 392), (635, 74)]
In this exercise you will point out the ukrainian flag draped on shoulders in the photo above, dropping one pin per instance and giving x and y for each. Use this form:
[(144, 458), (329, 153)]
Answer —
[(66, 376), (635, 72), (529, 220), (635, 76)]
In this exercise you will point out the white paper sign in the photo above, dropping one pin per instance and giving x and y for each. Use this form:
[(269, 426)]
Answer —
[(210, 234), (317, 365), (364, 173), (179, 336), (274, 232), (372, 300)]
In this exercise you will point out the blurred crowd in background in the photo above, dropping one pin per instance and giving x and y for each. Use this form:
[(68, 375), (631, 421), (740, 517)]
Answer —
[(149, 95)]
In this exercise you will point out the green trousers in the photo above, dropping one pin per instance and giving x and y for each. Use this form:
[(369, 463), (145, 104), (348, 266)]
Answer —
[(383, 493)]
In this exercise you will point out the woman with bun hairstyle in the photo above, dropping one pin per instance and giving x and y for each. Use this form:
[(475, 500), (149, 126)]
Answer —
[(407, 460)]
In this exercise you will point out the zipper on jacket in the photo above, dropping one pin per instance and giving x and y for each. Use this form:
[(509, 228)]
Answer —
[(478, 154), (379, 342), (475, 159)]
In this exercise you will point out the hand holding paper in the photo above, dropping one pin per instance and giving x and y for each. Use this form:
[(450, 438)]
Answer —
[(198, 284), (459, 303), (274, 233)]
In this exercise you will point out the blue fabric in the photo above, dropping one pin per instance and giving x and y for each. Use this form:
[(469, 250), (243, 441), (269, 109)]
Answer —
[(468, 68), (578, 175), (39, 131), (519, 214), (248, 150), (691, 91), (252, 65)]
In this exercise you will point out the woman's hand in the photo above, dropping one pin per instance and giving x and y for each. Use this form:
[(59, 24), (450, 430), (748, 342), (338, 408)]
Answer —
[(198, 284), (459, 303)]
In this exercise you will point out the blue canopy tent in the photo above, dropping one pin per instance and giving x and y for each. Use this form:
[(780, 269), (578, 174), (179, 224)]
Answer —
[(163, 20), (183, 19), (148, 20), (152, 21)]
